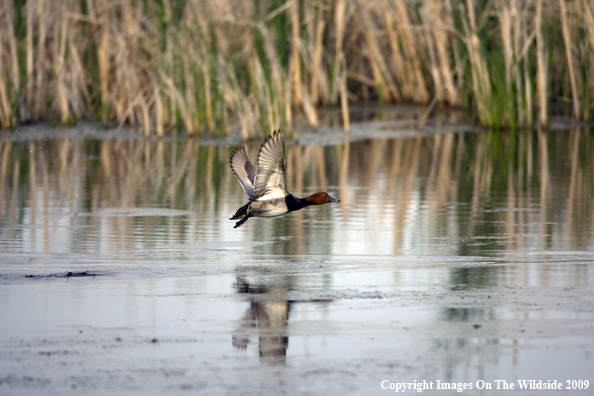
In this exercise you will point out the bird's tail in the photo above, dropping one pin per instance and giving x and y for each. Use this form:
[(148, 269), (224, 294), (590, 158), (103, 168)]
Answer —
[(242, 214)]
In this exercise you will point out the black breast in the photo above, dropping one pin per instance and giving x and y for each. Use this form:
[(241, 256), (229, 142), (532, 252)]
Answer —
[(294, 203)]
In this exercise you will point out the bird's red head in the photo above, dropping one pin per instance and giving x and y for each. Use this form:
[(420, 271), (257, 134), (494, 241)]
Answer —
[(320, 198)]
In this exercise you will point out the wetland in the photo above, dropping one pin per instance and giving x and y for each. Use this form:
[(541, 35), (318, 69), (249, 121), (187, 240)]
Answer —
[(455, 254)]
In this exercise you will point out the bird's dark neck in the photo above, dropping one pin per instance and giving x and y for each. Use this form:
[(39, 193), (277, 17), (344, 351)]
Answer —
[(295, 203)]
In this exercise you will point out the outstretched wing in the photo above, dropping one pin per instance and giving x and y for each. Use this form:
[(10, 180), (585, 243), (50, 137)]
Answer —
[(244, 170), (270, 176)]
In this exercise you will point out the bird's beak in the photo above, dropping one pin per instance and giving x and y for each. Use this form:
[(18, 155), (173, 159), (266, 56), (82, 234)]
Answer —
[(334, 200)]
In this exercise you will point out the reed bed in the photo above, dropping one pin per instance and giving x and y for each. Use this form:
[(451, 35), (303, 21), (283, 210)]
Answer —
[(210, 67)]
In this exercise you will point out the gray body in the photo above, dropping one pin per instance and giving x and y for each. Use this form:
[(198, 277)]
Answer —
[(268, 208)]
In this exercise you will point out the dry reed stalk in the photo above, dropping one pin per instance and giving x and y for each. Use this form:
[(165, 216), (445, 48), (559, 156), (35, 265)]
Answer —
[(119, 80), (59, 67), (505, 21), (541, 68), (12, 45), (177, 98), (145, 121), (307, 43), (295, 60), (588, 13), (4, 108), (512, 37), (344, 104), (438, 85), (381, 74), (480, 74), (396, 57), (272, 96), (41, 37), (103, 51), (235, 101), (263, 93), (458, 63), (570, 66), (441, 26), (409, 46), (289, 109), (79, 91), (29, 51), (527, 81), (319, 86), (189, 89), (339, 26), (378, 81), (516, 22), (5, 33), (271, 56), (309, 109), (482, 70), (159, 121), (588, 9), (207, 97)]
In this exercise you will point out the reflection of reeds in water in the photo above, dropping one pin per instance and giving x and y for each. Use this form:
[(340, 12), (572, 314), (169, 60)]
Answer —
[(448, 185), (206, 67), (491, 176)]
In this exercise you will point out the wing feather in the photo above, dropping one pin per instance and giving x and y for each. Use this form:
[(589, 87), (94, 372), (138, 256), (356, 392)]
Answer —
[(243, 169), (270, 176)]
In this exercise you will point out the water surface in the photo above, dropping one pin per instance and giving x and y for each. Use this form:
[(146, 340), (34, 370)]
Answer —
[(453, 256)]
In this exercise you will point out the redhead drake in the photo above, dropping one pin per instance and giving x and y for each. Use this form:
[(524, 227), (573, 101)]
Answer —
[(266, 185)]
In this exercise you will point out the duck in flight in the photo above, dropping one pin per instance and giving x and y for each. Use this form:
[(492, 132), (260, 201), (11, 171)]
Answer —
[(266, 185)]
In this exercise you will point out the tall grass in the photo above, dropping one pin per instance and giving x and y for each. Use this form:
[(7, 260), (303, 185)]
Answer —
[(209, 67)]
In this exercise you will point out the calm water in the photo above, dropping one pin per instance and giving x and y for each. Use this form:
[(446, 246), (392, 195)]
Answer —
[(452, 256)]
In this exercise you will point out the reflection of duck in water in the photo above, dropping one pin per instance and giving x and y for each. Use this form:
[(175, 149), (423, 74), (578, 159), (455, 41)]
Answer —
[(266, 185), (269, 312)]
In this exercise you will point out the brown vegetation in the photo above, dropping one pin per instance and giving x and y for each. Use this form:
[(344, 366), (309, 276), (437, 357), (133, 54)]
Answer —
[(203, 66)]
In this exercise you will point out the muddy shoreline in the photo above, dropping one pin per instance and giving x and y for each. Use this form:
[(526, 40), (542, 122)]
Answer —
[(168, 351)]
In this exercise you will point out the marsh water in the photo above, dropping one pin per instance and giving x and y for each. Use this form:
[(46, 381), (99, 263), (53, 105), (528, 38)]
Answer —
[(454, 255)]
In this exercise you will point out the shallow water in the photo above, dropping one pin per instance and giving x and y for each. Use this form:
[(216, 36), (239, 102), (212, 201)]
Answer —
[(454, 255)]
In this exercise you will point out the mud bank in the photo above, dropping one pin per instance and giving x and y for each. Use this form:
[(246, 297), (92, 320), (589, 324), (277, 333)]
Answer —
[(285, 332)]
